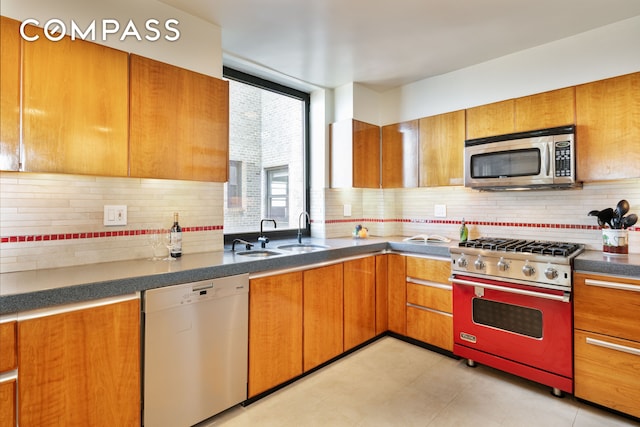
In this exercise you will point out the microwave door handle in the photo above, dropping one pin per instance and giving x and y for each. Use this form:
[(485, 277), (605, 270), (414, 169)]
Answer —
[(546, 159)]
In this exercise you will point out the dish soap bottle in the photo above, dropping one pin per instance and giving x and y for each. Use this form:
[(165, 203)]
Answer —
[(464, 232), (176, 238)]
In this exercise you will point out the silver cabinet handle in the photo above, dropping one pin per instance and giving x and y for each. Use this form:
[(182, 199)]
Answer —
[(562, 298), (429, 284), (612, 285), (612, 346)]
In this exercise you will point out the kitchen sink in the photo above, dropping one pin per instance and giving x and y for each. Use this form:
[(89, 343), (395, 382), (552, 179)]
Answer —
[(259, 253), (302, 247)]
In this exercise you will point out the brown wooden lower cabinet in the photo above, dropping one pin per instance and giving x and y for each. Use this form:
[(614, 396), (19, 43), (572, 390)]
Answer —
[(8, 403), (431, 327), (81, 368), (607, 371), (382, 295), (396, 281), (359, 301), (275, 331), (323, 315)]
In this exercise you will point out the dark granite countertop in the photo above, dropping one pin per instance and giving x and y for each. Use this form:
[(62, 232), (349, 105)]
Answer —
[(602, 263), (35, 289)]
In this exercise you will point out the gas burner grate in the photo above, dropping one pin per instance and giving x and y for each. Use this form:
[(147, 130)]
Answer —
[(560, 249)]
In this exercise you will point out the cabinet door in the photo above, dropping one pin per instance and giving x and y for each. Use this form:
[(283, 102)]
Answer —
[(607, 371), (9, 94), (179, 123), (81, 368), (431, 327), (546, 110), (8, 403), (491, 119), (75, 107), (323, 315), (366, 155), (275, 331), (8, 350), (608, 133), (396, 276), (359, 301), (382, 294), (607, 305), (442, 149), (400, 155)]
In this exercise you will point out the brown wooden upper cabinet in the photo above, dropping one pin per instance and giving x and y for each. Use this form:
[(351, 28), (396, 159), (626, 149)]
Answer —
[(400, 155), (491, 119), (75, 106), (539, 111), (9, 94), (179, 123), (608, 129), (442, 149), (355, 154), (545, 110)]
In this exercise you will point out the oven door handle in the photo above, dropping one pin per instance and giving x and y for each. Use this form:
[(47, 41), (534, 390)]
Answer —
[(566, 297)]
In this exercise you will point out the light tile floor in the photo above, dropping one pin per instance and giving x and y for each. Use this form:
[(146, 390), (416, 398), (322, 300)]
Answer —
[(394, 383)]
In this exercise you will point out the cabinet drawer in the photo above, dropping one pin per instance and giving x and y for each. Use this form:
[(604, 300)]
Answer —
[(8, 403), (433, 270), (431, 327), (607, 371), (8, 359), (607, 305), (430, 295)]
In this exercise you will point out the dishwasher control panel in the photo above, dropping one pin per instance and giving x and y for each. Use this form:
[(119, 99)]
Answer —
[(190, 293)]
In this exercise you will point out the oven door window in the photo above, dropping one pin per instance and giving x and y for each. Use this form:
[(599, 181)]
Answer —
[(507, 317), (522, 162)]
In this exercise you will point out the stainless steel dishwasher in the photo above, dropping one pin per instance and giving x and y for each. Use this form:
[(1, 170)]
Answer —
[(195, 350)]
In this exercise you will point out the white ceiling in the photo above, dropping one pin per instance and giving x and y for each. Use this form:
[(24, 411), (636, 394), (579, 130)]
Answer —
[(384, 44)]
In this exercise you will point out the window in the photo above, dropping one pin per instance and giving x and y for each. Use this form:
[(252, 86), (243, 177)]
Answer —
[(278, 194), (234, 185), (268, 128)]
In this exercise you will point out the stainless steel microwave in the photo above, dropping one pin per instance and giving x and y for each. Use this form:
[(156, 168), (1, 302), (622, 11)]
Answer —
[(538, 159)]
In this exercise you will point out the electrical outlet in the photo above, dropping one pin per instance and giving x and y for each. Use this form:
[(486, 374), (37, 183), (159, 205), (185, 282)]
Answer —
[(440, 211), (347, 210), (115, 215)]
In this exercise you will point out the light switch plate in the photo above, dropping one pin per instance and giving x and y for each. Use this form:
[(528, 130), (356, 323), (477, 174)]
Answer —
[(440, 211), (347, 210), (115, 215)]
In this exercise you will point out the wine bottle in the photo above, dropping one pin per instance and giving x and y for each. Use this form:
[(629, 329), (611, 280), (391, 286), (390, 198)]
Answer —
[(176, 238)]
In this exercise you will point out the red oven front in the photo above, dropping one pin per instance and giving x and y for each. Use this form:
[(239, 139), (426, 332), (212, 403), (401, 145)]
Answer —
[(524, 330)]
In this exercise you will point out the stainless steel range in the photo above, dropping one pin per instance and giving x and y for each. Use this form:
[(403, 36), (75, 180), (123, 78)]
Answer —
[(545, 264), (512, 307)]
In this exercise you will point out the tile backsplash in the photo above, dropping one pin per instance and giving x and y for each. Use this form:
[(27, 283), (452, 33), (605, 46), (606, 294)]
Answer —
[(54, 220), (559, 215)]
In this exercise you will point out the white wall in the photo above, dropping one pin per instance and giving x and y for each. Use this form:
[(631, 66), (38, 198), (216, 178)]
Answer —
[(199, 47), (594, 55)]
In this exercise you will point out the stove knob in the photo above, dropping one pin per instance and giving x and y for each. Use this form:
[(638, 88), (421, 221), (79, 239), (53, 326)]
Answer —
[(503, 265), (551, 273), (462, 262), (479, 264), (528, 270)]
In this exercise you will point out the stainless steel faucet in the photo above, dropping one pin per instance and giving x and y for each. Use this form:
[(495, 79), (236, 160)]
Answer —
[(262, 238), (300, 226)]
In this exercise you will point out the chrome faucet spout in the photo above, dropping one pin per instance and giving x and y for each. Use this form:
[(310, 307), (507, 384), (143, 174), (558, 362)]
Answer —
[(304, 213), (262, 238)]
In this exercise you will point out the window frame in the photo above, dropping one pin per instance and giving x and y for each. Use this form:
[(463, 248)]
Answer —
[(242, 77)]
